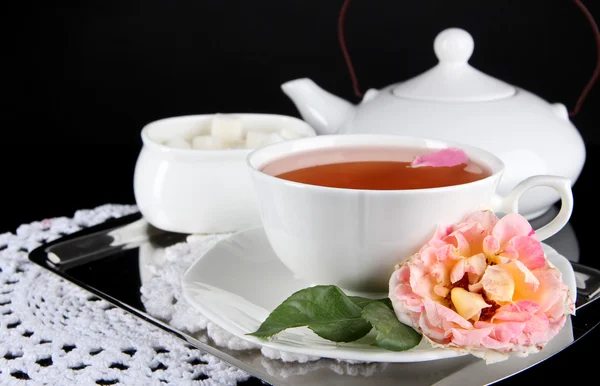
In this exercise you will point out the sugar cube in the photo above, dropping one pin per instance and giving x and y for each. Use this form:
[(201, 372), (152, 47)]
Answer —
[(207, 142), (227, 127), (273, 138), (289, 133), (255, 139), (178, 143)]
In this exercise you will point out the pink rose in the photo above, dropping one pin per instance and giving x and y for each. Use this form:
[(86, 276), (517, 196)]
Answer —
[(482, 286)]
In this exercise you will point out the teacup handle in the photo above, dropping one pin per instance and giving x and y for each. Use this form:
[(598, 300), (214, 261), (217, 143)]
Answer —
[(510, 203)]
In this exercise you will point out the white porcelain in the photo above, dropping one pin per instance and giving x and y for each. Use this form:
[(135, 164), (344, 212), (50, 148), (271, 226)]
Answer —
[(353, 238), (238, 282), (199, 191), (454, 101)]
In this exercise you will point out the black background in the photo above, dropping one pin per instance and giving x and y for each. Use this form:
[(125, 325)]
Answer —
[(80, 79)]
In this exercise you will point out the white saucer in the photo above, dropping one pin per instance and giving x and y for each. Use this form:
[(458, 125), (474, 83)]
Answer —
[(238, 282)]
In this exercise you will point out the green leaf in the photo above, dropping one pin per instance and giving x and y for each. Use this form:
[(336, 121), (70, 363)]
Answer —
[(362, 302), (391, 334), (334, 316), (324, 309)]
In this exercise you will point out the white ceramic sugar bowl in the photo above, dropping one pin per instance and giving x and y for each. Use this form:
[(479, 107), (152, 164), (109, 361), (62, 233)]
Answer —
[(454, 101), (190, 190)]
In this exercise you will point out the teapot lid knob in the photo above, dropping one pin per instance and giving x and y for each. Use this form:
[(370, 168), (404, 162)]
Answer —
[(453, 79), (453, 45)]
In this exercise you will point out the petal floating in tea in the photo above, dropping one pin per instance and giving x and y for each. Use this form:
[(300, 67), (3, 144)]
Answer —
[(445, 157)]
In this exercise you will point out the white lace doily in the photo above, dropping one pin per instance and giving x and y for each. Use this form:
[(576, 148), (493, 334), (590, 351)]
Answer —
[(53, 332), (162, 297)]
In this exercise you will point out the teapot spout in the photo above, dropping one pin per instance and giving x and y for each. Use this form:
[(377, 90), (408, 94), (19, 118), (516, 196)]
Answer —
[(322, 110)]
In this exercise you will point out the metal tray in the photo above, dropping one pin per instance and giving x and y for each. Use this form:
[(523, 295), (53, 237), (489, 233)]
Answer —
[(88, 257)]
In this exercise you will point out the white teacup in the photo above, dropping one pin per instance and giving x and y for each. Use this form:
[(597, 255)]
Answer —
[(354, 238)]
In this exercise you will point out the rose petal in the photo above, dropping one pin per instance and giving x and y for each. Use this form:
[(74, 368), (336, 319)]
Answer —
[(441, 290), (522, 276), (474, 264), (467, 304), (411, 300), (511, 225), (473, 278), (403, 301), (475, 287), (562, 306), (458, 271), (536, 330), (463, 245), (422, 284), (477, 264), (467, 238), (551, 290), (521, 311), (433, 332), (403, 274), (508, 253), (443, 231), (530, 251), (447, 252), (505, 332), (428, 255), (469, 338), (491, 245), (493, 344), (521, 306), (504, 260), (553, 329), (407, 317), (441, 273), (487, 219), (440, 233), (498, 284), (444, 157), (403, 293), (474, 234), (441, 316)]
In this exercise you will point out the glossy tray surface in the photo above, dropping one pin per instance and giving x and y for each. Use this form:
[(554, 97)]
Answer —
[(88, 257)]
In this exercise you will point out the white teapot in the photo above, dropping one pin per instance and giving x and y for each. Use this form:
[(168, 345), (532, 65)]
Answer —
[(456, 102)]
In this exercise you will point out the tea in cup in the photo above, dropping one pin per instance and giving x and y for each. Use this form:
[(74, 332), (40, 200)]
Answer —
[(345, 209)]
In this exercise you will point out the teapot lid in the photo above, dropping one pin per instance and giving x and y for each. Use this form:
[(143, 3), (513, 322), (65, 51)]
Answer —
[(453, 79)]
